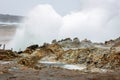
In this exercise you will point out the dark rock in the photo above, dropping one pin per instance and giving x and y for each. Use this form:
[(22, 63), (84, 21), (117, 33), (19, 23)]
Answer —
[(19, 52), (54, 41), (76, 41), (33, 47)]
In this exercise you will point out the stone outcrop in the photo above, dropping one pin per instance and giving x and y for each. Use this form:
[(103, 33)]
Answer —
[(112, 42), (30, 49), (85, 52)]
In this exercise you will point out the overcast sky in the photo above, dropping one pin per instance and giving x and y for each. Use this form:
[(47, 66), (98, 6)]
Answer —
[(21, 7)]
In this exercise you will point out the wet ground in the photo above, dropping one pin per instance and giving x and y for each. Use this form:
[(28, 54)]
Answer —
[(10, 70), (7, 31)]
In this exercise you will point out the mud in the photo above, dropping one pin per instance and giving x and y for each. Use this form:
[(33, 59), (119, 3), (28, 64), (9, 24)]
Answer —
[(10, 70)]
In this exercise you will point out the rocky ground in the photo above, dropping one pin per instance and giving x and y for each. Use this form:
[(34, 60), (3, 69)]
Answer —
[(10, 70), (66, 59)]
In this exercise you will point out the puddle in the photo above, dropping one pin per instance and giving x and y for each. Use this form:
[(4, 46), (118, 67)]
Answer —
[(47, 62), (55, 64), (63, 65), (100, 70), (5, 62), (73, 67), (13, 69)]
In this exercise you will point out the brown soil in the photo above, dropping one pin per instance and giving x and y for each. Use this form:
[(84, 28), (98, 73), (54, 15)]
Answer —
[(14, 71)]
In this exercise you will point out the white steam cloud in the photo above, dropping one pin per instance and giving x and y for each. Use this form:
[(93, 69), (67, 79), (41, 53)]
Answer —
[(96, 20), (41, 25)]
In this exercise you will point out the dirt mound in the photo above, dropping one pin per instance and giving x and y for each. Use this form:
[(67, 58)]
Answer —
[(7, 55), (53, 50), (92, 57), (30, 62)]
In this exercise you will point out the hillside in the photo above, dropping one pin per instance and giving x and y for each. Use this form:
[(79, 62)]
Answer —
[(10, 18)]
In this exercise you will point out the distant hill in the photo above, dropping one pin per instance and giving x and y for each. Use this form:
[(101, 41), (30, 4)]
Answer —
[(10, 18)]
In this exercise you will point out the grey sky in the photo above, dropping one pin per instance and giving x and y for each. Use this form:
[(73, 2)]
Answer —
[(21, 7)]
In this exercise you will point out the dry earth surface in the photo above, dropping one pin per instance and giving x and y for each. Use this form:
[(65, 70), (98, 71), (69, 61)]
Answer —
[(10, 70)]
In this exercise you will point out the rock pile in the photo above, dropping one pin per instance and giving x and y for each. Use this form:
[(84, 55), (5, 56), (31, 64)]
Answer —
[(7, 54), (112, 42), (85, 53), (75, 43)]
